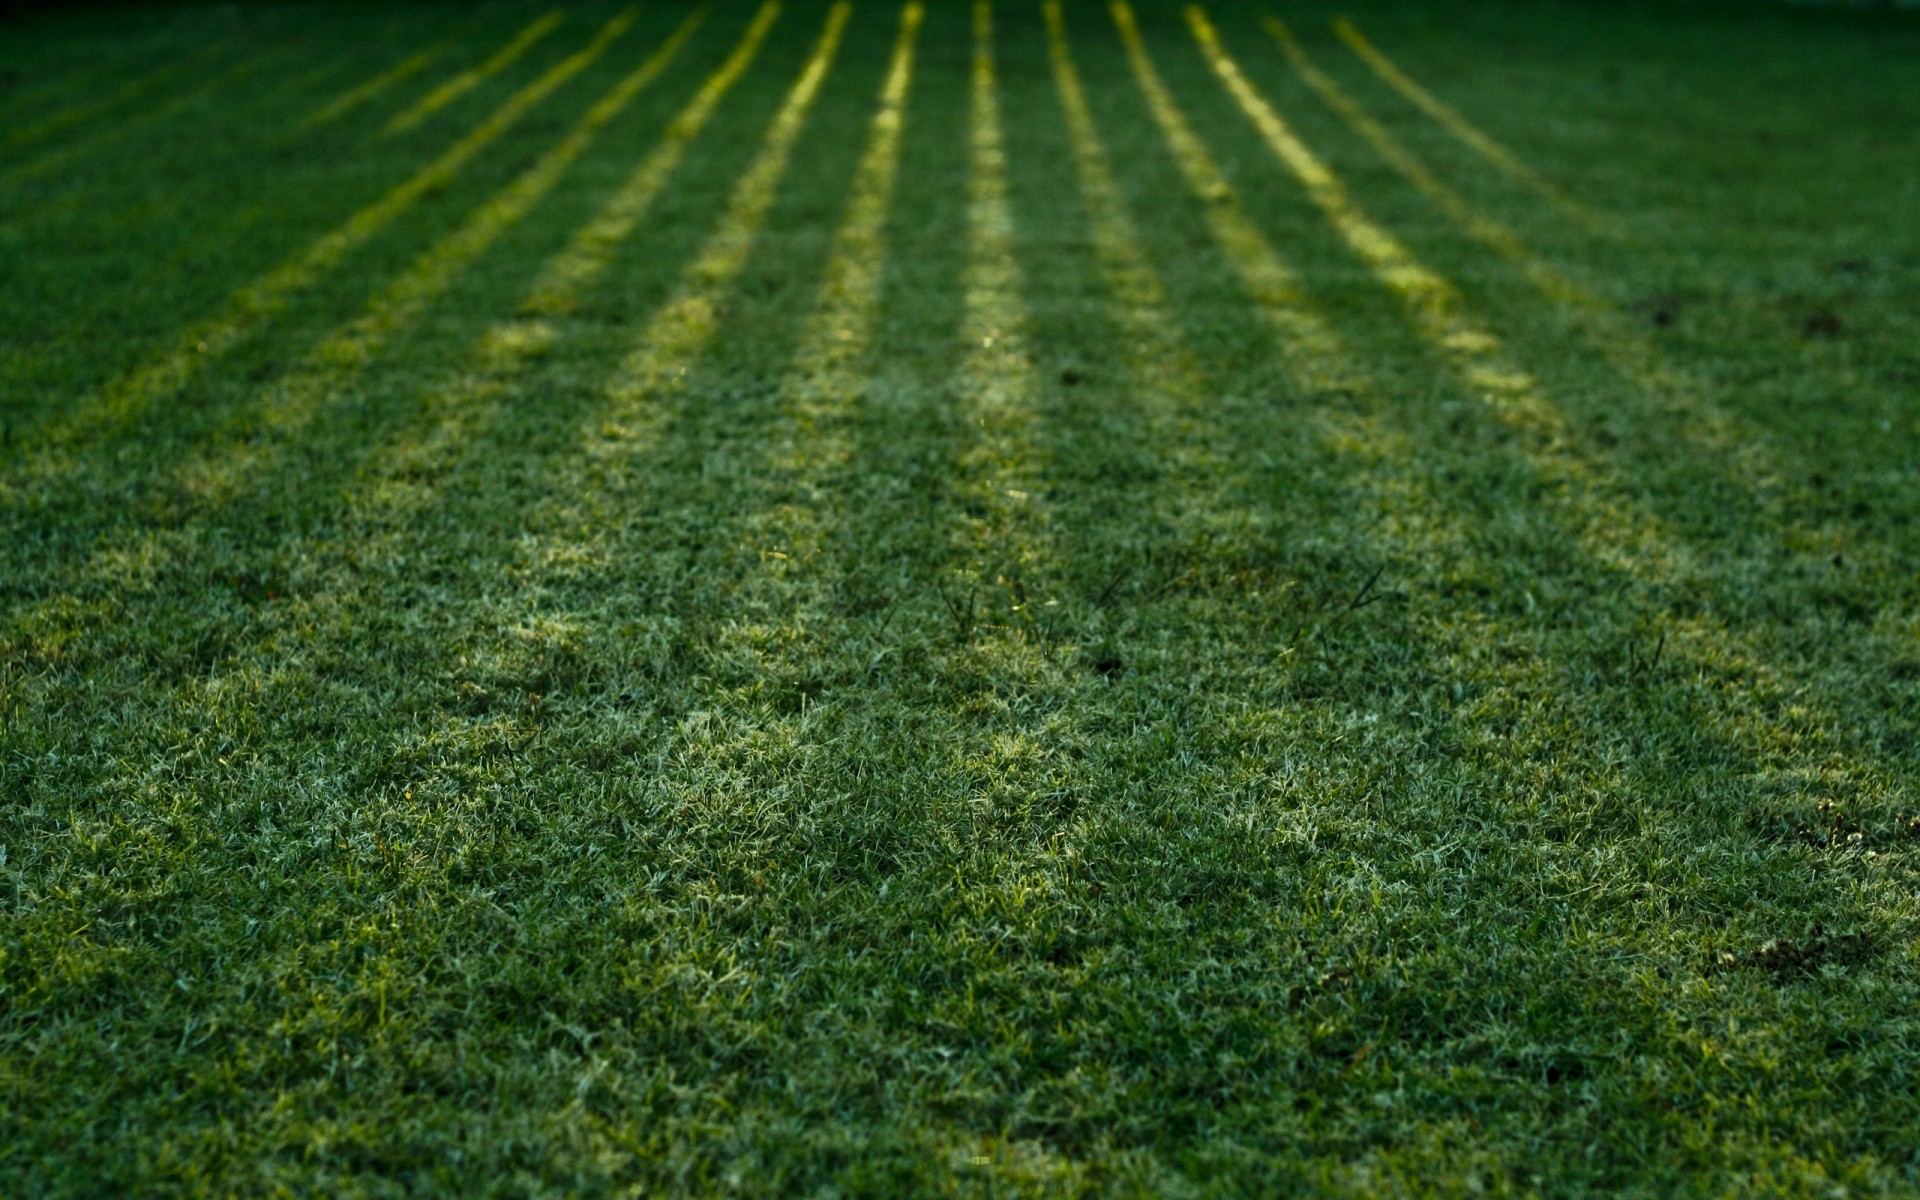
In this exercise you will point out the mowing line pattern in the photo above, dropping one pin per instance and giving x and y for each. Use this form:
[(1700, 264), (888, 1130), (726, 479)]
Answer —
[(119, 403), (572, 722), (1006, 544), (1424, 527), (466, 81), (1453, 122), (1312, 349), (1272, 285), (637, 402), (1658, 385), (299, 396), (831, 366), (372, 88), (1608, 330), (682, 328), (1604, 519), (587, 253), (1621, 535), (454, 414)]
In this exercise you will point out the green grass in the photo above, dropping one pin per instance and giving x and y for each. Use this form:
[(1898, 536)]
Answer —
[(666, 724)]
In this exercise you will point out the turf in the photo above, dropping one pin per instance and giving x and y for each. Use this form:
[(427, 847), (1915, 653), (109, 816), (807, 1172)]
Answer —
[(866, 602)]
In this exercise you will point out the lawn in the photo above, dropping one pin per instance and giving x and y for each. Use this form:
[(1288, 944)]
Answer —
[(1039, 600)]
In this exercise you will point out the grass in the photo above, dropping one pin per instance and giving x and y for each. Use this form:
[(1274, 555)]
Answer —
[(854, 601)]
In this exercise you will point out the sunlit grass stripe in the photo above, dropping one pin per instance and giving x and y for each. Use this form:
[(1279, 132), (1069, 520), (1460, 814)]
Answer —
[(63, 156), (996, 376), (1608, 525), (331, 365), (1453, 122), (1151, 343), (355, 96), (86, 110), (453, 412), (466, 81), (1313, 351), (1611, 535), (639, 399), (586, 254), (684, 326), (1627, 350), (95, 416), (1623, 535), (1270, 283), (832, 363)]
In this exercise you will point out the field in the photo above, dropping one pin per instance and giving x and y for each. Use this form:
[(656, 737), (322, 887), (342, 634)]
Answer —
[(1039, 600)]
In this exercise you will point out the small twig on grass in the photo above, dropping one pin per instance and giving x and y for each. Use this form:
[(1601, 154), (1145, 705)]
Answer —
[(962, 616), (1106, 593), (1635, 667), (1360, 600)]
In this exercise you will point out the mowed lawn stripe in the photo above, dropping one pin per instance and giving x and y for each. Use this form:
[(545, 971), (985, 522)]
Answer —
[(372, 88), (1590, 497), (98, 416), (466, 81), (141, 85), (1469, 134), (831, 371), (221, 473), (65, 156)]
